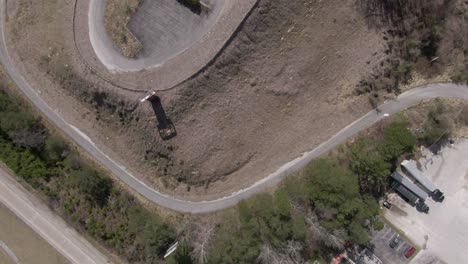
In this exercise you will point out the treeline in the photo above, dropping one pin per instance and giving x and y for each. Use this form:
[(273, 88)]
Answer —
[(84, 195), (337, 194)]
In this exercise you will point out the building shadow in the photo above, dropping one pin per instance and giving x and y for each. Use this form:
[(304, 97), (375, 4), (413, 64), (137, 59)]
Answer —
[(165, 126)]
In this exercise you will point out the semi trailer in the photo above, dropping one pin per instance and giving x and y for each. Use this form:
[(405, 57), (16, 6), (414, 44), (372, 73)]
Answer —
[(410, 167)]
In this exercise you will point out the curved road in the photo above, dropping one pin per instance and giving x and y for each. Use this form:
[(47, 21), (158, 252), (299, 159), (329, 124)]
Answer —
[(114, 61), (403, 101)]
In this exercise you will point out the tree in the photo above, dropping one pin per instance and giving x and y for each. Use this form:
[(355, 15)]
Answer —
[(358, 234), (331, 185), (56, 148), (438, 125), (299, 228), (23, 129), (398, 140), (92, 183), (369, 165), (283, 204), (181, 256)]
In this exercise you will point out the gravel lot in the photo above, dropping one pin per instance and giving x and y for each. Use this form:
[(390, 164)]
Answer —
[(442, 234)]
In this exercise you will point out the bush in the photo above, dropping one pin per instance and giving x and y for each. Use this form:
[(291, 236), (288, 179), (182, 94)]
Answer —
[(398, 140), (371, 167), (438, 125), (85, 196), (91, 183), (56, 149), (192, 3)]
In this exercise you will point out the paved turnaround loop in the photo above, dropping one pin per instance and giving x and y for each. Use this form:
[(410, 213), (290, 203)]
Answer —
[(48, 225), (405, 100)]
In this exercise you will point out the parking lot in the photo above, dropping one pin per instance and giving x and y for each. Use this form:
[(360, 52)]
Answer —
[(442, 234), (384, 252)]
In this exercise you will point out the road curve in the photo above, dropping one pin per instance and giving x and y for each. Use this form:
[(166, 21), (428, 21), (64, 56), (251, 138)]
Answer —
[(114, 61), (403, 101), (49, 226)]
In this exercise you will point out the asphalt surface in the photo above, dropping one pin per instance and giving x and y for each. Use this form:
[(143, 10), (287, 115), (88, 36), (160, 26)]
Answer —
[(403, 101), (49, 226), (164, 27)]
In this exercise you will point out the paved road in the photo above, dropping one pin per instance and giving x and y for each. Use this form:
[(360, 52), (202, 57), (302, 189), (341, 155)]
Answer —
[(175, 31), (48, 225), (404, 101)]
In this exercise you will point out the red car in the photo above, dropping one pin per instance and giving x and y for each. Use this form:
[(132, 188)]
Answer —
[(410, 252)]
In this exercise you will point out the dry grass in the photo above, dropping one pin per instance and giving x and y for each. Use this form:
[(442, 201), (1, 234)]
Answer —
[(24, 242), (118, 13)]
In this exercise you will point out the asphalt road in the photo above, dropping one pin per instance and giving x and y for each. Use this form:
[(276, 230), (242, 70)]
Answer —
[(165, 33), (405, 100), (48, 225)]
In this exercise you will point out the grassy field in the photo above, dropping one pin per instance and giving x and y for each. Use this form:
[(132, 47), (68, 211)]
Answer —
[(27, 245)]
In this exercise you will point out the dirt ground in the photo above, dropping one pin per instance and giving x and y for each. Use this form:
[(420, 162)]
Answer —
[(283, 85), (24, 243)]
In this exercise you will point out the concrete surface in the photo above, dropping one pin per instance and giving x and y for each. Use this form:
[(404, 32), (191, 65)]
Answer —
[(443, 232), (164, 27), (49, 226)]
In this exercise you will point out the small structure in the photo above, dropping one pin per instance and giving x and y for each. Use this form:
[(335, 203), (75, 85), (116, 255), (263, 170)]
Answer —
[(171, 249), (148, 96)]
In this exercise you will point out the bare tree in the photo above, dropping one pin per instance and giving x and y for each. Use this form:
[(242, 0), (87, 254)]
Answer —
[(289, 253), (202, 240)]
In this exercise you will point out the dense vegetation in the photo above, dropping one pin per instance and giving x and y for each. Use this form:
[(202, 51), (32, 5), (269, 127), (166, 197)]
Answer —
[(82, 194), (337, 193), (310, 217)]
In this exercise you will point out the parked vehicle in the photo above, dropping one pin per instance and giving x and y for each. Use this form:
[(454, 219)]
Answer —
[(422, 207), (395, 241), (421, 179), (387, 205), (410, 252)]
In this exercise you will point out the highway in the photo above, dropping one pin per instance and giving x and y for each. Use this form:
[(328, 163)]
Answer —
[(405, 100), (47, 224)]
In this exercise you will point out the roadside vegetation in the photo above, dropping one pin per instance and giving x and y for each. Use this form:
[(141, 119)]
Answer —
[(422, 37), (116, 18), (76, 189), (333, 200), (313, 214)]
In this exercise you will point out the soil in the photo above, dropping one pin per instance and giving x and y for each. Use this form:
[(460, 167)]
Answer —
[(117, 16), (286, 82)]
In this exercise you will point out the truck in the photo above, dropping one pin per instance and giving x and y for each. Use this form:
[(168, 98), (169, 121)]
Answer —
[(405, 181), (412, 170), (410, 197)]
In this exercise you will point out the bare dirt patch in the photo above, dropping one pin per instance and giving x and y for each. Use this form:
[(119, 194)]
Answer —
[(26, 245), (282, 86), (117, 16), (285, 83)]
